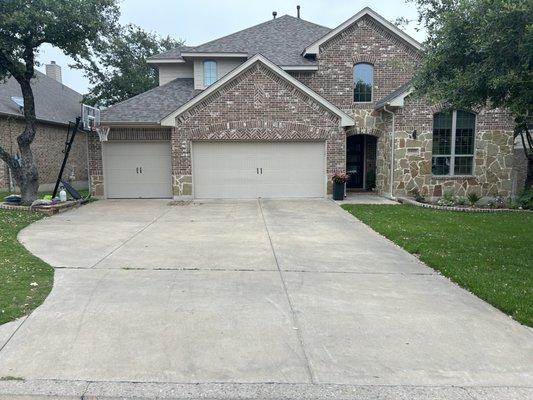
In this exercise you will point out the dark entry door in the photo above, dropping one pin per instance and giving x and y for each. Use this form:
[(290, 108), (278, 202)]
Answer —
[(355, 160)]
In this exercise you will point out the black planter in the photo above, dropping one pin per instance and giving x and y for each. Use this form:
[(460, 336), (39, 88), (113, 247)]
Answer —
[(338, 191)]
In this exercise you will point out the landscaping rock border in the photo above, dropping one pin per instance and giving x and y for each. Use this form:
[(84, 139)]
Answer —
[(405, 200)]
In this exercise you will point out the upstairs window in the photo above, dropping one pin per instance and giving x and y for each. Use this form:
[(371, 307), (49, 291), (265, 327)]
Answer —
[(363, 80), (210, 72), (453, 143)]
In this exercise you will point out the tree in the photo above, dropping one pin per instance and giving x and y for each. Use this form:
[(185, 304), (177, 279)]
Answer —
[(118, 69), (24, 26), (478, 53)]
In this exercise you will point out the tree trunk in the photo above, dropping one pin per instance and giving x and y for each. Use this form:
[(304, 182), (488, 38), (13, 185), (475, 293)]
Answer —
[(29, 176), (25, 174)]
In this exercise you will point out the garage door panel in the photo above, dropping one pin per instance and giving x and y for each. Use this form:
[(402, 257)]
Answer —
[(138, 169), (286, 169)]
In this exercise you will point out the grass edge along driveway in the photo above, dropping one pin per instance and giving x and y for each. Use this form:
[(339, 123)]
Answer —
[(25, 280), (489, 254)]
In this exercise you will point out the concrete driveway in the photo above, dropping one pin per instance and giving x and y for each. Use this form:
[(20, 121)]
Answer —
[(279, 291)]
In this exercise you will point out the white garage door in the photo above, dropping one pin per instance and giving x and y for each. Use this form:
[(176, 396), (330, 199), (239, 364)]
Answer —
[(137, 170), (260, 169)]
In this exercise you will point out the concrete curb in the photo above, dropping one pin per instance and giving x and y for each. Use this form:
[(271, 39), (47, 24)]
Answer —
[(69, 390)]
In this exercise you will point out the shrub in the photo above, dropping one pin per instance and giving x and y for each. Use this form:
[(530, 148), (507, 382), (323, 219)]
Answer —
[(448, 199), (417, 195), (461, 200), (370, 180), (473, 198), (525, 199)]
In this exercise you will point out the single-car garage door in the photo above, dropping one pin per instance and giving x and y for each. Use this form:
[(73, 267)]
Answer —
[(258, 169), (137, 170)]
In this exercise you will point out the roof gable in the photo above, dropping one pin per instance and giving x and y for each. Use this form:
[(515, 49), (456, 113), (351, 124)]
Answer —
[(314, 47), (170, 119)]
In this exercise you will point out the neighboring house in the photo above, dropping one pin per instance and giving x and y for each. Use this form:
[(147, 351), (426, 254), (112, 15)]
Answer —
[(274, 110), (55, 106)]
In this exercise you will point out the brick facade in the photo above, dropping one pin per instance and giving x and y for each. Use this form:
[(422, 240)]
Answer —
[(259, 105), (47, 151), (256, 105)]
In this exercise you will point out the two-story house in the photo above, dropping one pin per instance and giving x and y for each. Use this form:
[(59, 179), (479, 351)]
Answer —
[(274, 110)]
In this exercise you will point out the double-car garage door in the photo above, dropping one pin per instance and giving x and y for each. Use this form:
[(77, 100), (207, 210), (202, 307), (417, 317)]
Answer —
[(220, 169)]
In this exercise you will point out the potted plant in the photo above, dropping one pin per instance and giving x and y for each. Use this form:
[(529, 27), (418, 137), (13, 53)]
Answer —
[(339, 179)]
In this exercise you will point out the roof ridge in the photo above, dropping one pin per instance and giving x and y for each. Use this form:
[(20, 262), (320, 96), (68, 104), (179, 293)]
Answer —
[(56, 82), (274, 20)]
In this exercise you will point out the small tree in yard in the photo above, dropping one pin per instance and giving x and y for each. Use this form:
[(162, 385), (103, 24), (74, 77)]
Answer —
[(118, 69), (478, 54), (24, 26)]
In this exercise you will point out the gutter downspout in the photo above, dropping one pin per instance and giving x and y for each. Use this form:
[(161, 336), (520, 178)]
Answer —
[(391, 194)]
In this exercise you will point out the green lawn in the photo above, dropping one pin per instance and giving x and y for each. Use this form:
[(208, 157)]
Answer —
[(25, 280), (490, 254)]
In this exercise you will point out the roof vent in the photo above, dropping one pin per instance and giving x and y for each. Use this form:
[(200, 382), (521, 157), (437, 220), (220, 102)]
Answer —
[(298, 11), (274, 14)]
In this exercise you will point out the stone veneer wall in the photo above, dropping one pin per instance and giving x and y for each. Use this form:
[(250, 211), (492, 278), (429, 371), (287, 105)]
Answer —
[(96, 169), (256, 105), (493, 154), (394, 62), (47, 149)]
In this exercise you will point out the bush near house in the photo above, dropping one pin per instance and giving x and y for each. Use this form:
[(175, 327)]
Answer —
[(489, 254)]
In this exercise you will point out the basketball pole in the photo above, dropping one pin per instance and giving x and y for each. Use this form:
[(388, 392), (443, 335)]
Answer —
[(68, 147)]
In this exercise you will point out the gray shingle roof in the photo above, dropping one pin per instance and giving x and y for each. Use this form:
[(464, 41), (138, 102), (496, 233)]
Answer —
[(54, 102), (385, 100), (153, 105), (281, 40)]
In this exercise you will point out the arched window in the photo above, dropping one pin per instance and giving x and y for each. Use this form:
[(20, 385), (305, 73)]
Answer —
[(453, 143), (210, 72), (363, 80)]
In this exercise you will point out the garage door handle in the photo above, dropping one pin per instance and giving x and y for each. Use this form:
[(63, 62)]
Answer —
[(137, 169), (261, 171), (141, 169), (258, 171)]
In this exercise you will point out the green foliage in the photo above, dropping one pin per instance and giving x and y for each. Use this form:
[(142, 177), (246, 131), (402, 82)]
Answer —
[(489, 254), (370, 179), (417, 195), (117, 68), (473, 198), (525, 199), (25, 280), (448, 199), (69, 25), (478, 53), (461, 200)]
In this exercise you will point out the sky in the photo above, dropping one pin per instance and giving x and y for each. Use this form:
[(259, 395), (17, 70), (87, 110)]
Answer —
[(199, 21)]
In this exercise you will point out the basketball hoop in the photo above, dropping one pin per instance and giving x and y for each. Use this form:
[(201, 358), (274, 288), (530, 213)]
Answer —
[(102, 131)]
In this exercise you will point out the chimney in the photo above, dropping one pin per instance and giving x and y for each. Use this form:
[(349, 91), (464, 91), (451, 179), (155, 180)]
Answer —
[(54, 71), (298, 11), (274, 14)]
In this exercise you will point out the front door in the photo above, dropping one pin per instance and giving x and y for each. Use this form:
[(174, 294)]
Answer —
[(355, 156)]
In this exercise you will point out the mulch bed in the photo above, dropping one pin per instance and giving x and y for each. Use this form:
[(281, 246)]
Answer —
[(456, 208)]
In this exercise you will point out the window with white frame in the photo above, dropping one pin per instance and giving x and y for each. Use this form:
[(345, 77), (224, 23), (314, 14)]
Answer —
[(210, 72), (453, 143), (363, 80)]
